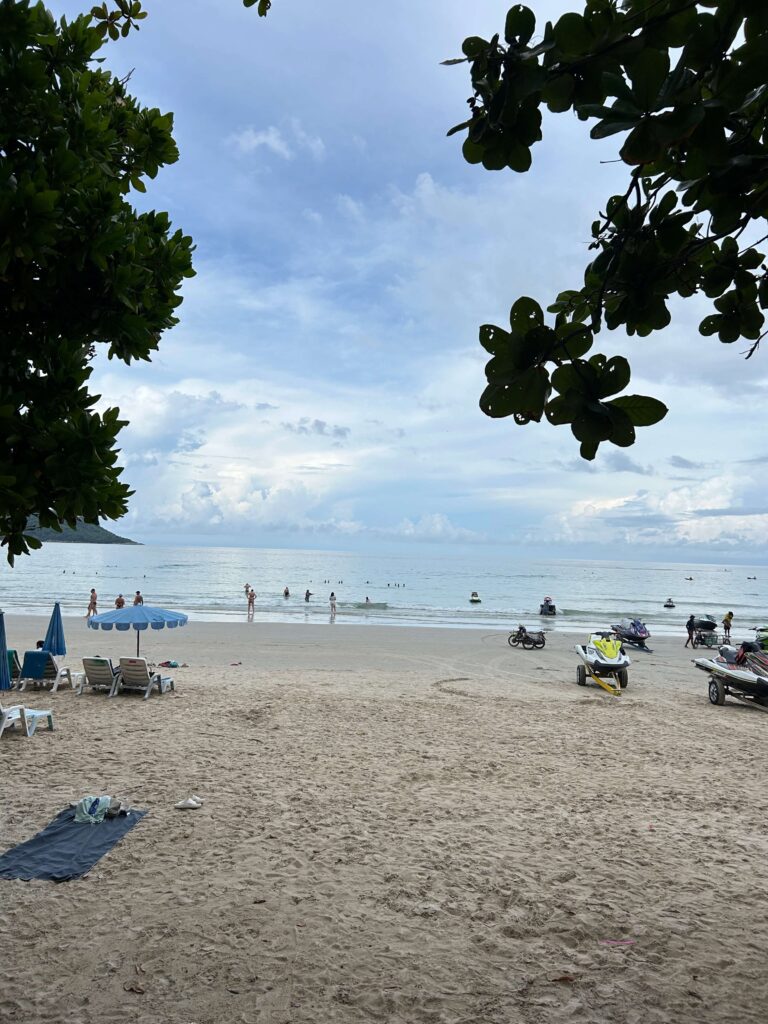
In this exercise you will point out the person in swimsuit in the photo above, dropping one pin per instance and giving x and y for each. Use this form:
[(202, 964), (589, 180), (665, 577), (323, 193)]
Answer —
[(91, 604), (119, 601), (138, 599)]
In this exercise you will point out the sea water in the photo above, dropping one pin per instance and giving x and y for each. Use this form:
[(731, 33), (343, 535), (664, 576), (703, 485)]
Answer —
[(417, 589)]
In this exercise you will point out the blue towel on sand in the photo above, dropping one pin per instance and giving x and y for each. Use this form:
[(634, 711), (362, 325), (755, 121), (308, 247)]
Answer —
[(34, 664), (66, 849)]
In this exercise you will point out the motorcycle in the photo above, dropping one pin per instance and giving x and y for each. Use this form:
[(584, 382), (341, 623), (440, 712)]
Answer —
[(530, 641)]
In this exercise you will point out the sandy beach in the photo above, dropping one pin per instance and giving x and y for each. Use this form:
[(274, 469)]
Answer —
[(405, 825)]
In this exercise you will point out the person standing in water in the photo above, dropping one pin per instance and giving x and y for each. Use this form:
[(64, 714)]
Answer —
[(119, 601), (91, 604), (251, 599), (332, 602), (307, 595), (138, 599), (286, 593)]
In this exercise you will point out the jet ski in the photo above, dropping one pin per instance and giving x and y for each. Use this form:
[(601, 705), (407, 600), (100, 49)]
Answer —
[(669, 603), (547, 607), (474, 599), (603, 657), (632, 631), (704, 623), (740, 672)]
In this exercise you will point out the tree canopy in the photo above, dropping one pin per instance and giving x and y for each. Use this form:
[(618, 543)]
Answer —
[(684, 83), (79, 266)]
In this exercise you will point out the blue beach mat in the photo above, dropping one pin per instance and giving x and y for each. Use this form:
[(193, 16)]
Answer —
[(66, 849)]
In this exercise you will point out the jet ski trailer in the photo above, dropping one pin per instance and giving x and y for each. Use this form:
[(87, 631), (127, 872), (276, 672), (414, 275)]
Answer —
[(739, 673), (604, 661)]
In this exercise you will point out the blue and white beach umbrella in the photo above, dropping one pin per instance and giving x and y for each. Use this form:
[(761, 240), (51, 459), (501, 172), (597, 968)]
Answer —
[(54, 638), (5, 673), (138, 617)]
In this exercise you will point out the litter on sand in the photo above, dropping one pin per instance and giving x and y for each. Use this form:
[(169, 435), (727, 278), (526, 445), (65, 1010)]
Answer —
[(191, 803)]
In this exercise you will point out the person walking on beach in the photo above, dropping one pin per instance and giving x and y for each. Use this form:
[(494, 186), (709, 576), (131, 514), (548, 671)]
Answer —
[(91, 604), (138, 599), (727, 623), (119, 601), (332, 602), (691, 627)]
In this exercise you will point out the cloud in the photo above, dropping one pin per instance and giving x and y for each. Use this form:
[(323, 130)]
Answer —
[(270, 138), (678, 462), (286, 143), (620, 462), (433, 527), (320, 428)]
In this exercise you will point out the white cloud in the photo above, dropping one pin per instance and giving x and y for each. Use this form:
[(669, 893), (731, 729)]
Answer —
[(270, 138)]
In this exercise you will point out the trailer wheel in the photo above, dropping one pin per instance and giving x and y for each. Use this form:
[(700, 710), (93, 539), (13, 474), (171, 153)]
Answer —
[(581, 675), (623, 677), (716, 691)]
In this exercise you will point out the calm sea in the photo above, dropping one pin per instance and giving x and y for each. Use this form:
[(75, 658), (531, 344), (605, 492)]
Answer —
[(414, 589)]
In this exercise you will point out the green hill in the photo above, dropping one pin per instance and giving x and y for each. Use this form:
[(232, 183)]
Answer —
[(86, 533)]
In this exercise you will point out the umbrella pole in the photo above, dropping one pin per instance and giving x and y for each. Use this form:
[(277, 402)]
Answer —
[(138, 638)]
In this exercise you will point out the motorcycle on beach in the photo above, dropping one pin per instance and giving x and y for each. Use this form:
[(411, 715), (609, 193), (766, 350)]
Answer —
[(529, 641)]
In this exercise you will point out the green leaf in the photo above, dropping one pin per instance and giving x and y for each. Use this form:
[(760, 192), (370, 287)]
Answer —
[(493, 338), (642, 410), (614, 377), (642, 146), (473, 46), (471, 152), (623, 431), (520, 25), (558, 92), (572, 34), (525, 315), (648, 72)]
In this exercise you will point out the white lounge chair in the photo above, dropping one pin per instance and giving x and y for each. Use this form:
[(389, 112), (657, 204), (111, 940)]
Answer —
[(99, 674), (40, 669), (135, 675), (28, 718)]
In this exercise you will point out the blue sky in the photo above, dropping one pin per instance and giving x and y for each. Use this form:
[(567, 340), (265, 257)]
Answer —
[(321, 389)]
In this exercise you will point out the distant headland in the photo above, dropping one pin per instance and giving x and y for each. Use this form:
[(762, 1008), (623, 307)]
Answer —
[(85, 533)]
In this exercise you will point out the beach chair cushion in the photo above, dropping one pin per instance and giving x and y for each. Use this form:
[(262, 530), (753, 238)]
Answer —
[(39, 668), (136, 675), (27, 718)]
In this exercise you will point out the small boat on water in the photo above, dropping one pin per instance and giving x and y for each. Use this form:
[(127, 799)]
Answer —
[(474, 599), (547, 607), (669, 603)]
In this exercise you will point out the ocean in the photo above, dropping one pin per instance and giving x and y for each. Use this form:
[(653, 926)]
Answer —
[(409, 589)]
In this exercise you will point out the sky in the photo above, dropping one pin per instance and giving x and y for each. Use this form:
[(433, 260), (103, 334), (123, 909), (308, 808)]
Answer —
[(321, 389)]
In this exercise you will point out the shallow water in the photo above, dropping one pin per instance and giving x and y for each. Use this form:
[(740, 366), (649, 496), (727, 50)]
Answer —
[(418, 589)]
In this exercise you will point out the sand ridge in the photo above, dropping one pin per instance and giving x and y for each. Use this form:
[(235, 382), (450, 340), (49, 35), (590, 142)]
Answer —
[(399, 825)]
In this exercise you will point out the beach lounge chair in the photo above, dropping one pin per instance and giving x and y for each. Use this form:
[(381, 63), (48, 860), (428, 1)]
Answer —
[(14, 666), (39, 669), (136, 675), (27, 718), (99, 674)]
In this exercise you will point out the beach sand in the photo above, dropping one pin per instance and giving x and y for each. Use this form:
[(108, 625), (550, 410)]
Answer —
[(404, 825)]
